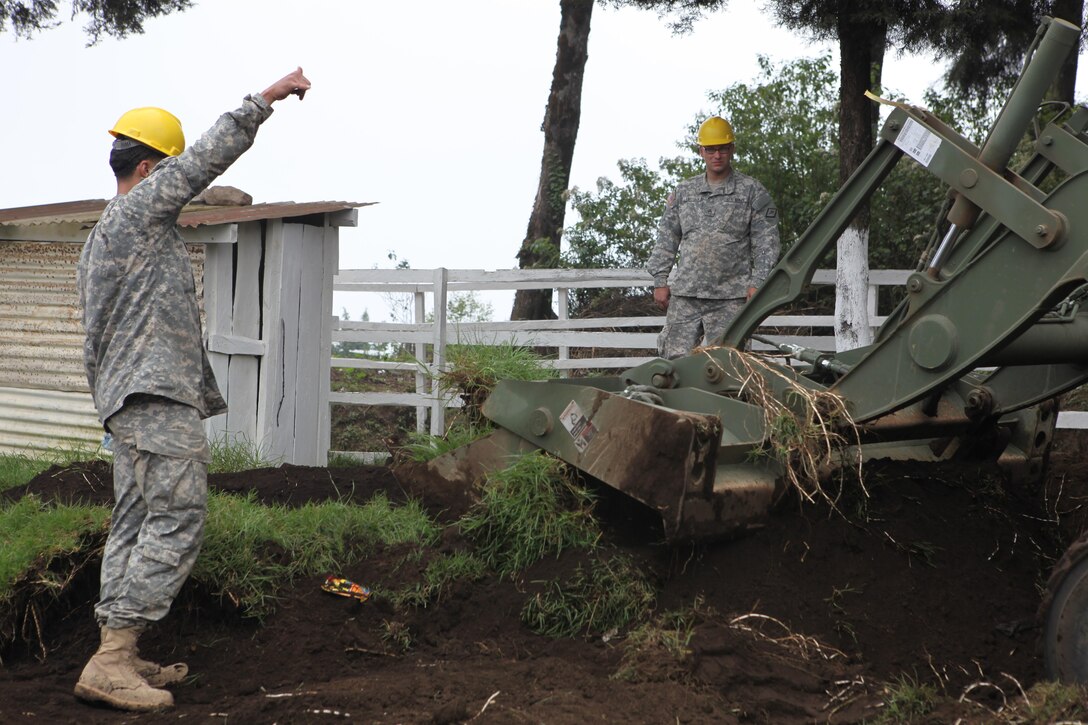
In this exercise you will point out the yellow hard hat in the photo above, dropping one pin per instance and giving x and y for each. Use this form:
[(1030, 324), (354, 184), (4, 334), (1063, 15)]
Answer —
[(715, 131), (154, 127)]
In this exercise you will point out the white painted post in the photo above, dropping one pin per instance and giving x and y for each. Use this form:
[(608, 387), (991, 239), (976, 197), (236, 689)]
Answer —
[(421, 359), (438, 364), (564, 351)]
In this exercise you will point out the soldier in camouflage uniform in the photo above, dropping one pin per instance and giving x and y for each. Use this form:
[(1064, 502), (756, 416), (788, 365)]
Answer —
[(724, 226), (151, 380)]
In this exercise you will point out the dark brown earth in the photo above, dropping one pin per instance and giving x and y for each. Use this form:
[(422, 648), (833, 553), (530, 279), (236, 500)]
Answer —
[(804, 621)]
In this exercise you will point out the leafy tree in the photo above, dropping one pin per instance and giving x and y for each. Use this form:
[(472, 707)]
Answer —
[(117, 18), (540, 248), (986, 40), (863, 30), (786, 124)]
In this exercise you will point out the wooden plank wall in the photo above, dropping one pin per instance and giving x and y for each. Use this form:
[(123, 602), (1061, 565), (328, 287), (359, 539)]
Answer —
[(296, 325)]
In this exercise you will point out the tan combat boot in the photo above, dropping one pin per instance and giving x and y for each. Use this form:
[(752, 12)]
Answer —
[(110, 677)]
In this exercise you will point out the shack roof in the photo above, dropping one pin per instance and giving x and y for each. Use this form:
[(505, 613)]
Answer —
[(86, 212)]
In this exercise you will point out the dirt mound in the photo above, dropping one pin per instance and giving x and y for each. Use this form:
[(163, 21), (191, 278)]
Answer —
[(936, 576)]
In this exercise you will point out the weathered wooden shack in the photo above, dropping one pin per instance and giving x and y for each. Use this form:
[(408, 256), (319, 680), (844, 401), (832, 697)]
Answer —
[(264, 273)]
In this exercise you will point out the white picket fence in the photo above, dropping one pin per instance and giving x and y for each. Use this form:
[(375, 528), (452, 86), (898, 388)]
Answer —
[(430, 338)]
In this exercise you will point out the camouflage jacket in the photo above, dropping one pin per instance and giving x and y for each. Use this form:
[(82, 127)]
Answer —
[(136, 283), (726, 237)]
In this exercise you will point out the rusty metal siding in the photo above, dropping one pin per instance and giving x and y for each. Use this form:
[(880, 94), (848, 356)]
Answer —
[(41, 338), (44, 398), (40, 420)]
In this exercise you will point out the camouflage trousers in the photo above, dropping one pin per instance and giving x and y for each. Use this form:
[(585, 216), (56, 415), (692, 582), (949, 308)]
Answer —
[(692, 322), (160, 488)]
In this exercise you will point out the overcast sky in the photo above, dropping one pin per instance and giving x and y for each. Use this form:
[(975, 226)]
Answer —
[(432, 108)]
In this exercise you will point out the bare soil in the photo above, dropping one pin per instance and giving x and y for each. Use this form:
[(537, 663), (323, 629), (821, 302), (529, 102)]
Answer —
[(936, 577)]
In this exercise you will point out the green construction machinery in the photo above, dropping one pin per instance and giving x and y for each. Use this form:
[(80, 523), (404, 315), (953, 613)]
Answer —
[(990, 331)]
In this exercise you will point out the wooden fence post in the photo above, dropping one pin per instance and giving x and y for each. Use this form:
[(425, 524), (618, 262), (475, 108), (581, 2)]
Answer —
[(438, 355), (421, 360), (564, 314)]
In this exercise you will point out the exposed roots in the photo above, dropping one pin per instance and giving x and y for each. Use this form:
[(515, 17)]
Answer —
[(810, 431), (34, 599), (806, 647)]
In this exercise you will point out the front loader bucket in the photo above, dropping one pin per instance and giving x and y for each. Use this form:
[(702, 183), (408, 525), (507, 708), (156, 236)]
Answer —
[(666, 458)]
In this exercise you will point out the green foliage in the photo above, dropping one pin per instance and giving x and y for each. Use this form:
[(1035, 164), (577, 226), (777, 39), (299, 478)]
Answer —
[(528, 511), (786, 122), (18, 470), (33, 534), (232, 456), (117, 18), (250, 551), (358, 349), (475, 370), (787, 135), (618, 222), (468, 307), (608, 596), (423, 447)]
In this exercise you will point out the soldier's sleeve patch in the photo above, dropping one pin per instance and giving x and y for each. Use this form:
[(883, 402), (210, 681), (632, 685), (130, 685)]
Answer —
[(671, 201), (772, 212)]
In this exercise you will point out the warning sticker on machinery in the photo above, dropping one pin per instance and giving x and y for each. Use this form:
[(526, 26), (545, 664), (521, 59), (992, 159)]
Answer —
[(578, 425), (918, 142)]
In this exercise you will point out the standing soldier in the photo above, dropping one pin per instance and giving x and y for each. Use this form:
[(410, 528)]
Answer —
[(151, 381), (725, 227)]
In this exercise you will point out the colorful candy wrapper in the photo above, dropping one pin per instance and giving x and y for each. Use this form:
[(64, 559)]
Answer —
[(345, 588)]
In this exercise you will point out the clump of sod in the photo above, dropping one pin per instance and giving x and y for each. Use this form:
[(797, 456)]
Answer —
[(473, 371), (42, 549), (607, 596), (527, 511)]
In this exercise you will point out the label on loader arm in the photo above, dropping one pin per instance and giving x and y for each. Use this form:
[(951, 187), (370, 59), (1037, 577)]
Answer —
[(918, 142), (578, 425)]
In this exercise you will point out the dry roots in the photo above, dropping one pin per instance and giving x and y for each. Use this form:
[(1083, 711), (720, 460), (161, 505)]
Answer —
[(810, 431)]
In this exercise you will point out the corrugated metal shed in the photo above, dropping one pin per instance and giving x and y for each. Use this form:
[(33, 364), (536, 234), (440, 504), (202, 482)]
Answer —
[(44, 399)]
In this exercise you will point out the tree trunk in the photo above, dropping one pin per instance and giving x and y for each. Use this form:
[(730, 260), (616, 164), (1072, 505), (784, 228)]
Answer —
[(541, 246), (1066, 83), (861, 51)]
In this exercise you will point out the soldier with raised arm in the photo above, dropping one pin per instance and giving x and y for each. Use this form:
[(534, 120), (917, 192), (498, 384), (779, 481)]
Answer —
[(152, 382)]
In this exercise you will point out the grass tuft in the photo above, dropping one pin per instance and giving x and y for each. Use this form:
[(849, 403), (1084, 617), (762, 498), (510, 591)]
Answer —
[(441, 574), (907, 699), (475, 370), (608, 597), (527, 511), (234, 456), (33, 534), (658, 650), (423, 447)]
